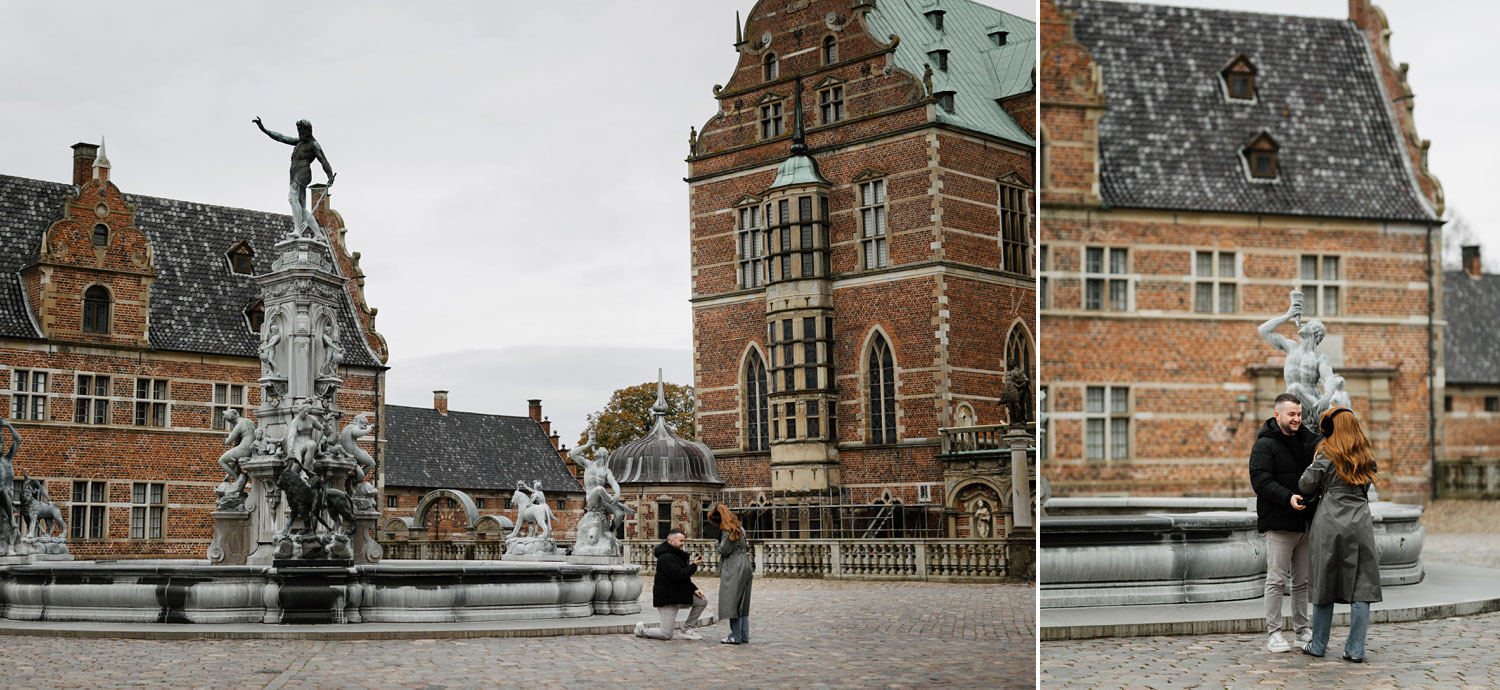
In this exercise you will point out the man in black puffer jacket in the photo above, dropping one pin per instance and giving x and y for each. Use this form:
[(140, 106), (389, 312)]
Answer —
[(673, 589), (1283, 449)]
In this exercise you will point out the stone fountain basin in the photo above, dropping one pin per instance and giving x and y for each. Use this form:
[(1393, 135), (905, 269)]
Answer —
[(184, 591), (1171, 558)]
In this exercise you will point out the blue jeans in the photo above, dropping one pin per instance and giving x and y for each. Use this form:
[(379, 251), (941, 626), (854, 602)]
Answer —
[(1322, 624), (739, 628)]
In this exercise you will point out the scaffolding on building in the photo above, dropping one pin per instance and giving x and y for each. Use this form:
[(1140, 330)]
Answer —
[(834, 514)]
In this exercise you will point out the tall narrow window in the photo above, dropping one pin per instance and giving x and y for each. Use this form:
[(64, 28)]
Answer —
[(1018, 355), (96, 310), (227, 396), (872, 229), (831, 104), (1044, 295), (830, 50), (150, 402), (881, 388), (1215, 289), (663, 519), (756, 436), (91, 401), (1015, 227), (770, 68), (770, 120), (752, 248), (1105, 286), (1106, 423), (87, 510), (28, 394), (1320, 285), (148, 507)]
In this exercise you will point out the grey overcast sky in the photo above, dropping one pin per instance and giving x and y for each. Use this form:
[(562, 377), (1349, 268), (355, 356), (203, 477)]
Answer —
[(511, 172)]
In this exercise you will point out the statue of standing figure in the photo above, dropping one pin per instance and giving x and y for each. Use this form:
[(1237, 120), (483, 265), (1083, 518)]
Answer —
[(596, 476), (268, 352), (8, 531), (305, 150), (333, 353), (1308, 372), (241, 438)]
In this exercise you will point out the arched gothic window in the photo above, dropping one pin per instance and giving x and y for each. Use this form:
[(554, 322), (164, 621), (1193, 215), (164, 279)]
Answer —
[(96, 310), (830, 50), (1018, 356), (881, 387), (757, 423), (771, 67)]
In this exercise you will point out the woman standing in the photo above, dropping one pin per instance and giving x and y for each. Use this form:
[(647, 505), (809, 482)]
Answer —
[(735, 573), (1345, 564)]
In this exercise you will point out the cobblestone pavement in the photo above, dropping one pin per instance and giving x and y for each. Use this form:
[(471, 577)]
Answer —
[(1481, 550), (1447, 653), (804, 634)]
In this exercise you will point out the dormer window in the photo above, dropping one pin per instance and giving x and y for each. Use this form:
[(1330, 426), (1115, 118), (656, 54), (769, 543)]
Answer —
[(101, 235), (1239, 79), (939, 59), (944, 100), (1261, 157), (242, 259), (999, 38), (770, 67), (255, 316), (935, 17)]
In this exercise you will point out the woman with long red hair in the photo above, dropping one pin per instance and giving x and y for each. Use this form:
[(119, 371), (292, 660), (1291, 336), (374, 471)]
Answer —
[(735, 573), (1345, 565)]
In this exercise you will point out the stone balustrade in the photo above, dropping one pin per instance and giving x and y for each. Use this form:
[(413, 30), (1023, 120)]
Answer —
[(989, 438), (443, 550), (1469, 478), (896, 559)]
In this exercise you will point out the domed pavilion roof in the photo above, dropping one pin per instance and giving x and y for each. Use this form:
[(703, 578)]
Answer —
[(663, 457)]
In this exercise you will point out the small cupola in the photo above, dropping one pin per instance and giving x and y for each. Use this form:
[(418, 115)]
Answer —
[(1238, 79), (1261, 157)]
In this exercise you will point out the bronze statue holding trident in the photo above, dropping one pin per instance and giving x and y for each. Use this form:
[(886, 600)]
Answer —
[(305, 151)]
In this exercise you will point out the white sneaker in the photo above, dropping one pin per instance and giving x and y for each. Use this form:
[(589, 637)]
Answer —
[(687, 635), (640, 629), (1276, 643), (1304, 638)]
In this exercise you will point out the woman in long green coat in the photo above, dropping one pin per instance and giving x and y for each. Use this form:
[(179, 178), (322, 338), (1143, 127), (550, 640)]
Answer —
[(735, 574), (1344, 560)]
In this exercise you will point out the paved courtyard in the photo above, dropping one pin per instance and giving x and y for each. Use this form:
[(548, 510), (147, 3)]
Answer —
[(1445, 653), (804, 634)]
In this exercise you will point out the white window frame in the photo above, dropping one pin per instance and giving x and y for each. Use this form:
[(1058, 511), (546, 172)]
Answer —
[(1214, 282), (1107, 278), (872, 210), (27, 403), (1317, 290), (151, 401), (750, 246), (224, 402), (1111, 415), (148, 510), (97, 406)]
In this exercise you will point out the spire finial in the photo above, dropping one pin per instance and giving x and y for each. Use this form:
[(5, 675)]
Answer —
[(799, 136), (101, 160), (739, 36), (660, 408)]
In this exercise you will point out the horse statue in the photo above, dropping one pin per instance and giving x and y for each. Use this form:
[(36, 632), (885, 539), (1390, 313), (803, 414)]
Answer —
[(36, 506), (537, 514)]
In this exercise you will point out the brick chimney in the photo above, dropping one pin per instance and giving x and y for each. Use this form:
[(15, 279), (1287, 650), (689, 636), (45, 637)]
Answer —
[(547, 426), (555, 441), (1471, 260), (83, 162), (440, 402), (534, 409)]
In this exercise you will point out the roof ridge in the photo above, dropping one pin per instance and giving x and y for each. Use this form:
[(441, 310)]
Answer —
[(137, 196), (1215, 10), (463, 412)]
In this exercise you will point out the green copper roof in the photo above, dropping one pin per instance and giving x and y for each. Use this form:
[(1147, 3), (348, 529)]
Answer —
[(798, 169), (979, 72)]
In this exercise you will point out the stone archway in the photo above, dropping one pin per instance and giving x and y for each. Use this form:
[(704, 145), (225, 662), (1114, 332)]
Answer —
[(446, 514)]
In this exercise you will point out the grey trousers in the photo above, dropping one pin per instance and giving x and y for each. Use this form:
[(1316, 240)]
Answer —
[(1286, 561), (664, 630)]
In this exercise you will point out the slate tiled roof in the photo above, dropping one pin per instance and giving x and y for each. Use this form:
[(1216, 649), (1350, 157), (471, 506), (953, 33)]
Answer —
[(467, 450), (1171, 140), (1472, 309), (197, 303), (979, 72)]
